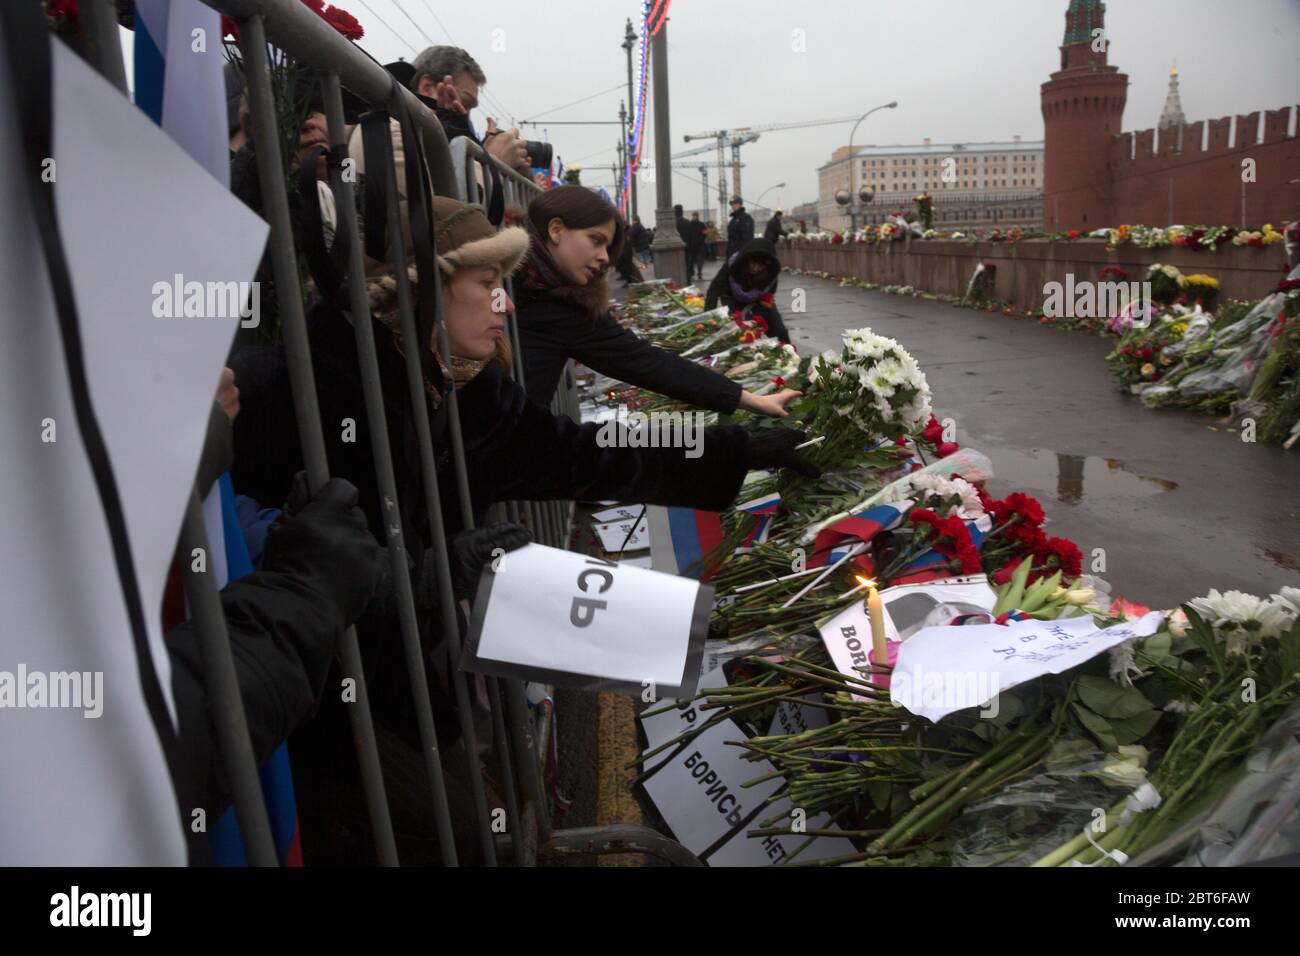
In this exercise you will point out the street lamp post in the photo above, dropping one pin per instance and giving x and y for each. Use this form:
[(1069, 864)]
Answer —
[(853, 217), (629, 41), (759, 200)]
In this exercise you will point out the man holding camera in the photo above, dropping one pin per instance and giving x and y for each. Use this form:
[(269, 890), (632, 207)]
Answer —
[(451, 78)]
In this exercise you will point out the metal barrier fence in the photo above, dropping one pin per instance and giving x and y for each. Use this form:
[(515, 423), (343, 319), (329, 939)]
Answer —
[(289, 26)]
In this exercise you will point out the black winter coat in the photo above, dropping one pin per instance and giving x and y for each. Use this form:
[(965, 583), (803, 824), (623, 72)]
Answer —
[(284, 630), (553, 331), (740, 229), (773, 232), (720, 291)]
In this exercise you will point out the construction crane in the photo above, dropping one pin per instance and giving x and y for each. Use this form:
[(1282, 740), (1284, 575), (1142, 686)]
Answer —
[(739, 136), (702, 167)]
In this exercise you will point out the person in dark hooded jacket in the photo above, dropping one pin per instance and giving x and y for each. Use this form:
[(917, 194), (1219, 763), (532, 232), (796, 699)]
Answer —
[(747, 283), (563, 312)]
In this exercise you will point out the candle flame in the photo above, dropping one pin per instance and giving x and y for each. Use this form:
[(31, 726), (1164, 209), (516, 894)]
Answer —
[(864, 582)]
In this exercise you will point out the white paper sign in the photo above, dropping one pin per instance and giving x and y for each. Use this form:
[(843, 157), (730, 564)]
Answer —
[(792, 718), (621, 513), (945, 669), (698, 790), (619, 536), (662, 727), (910, 607), (580, 621), (907, 609), (133, 209), (742, 850)]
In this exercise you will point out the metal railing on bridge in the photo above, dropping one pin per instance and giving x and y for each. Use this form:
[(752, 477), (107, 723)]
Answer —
[(467, 173)]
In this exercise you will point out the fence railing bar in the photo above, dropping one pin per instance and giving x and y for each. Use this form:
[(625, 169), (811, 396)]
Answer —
[(233, 741), (506, 769), (381, 452), (302, 383)]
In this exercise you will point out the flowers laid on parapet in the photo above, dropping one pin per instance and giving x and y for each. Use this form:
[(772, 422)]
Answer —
[(1196, 237)]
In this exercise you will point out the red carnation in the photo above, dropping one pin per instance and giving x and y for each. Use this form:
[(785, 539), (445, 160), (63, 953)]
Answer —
[(315, 6), (946, 448), (1003, 574), (229, 29), (1062, 552), (779, 382), (738, 319), (344, 22), (933, 432), (767, 299)]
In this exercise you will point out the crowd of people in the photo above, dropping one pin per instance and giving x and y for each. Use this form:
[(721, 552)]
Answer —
[(318, 562)]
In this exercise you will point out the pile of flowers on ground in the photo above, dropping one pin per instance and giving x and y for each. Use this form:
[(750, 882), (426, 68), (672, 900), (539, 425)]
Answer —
[(1185, 348), (1155, 734)]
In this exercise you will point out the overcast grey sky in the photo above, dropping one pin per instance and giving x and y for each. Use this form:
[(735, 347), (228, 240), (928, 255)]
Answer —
[(961, 70)]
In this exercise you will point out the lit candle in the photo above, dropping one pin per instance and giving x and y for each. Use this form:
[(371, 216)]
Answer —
[(876, 611)]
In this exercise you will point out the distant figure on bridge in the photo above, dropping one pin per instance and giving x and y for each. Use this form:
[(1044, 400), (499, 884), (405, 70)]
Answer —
[(747, 280), (711, 240), (695, 247), (639, 238), (741, 227), (775, 229)]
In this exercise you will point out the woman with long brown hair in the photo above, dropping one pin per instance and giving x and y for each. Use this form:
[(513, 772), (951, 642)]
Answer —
[(563, 312)]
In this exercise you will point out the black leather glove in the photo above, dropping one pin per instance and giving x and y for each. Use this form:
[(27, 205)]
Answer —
[(774, 448), (328, 542), (471, 551)]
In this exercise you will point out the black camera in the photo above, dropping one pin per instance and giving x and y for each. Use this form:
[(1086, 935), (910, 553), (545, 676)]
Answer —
[(539, 152)]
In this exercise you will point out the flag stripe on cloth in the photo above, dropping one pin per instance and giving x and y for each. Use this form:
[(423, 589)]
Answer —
[(861, 526), (694, 534)]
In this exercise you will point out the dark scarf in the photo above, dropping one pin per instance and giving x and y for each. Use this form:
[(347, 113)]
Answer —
[(539, 278), (739, 292)]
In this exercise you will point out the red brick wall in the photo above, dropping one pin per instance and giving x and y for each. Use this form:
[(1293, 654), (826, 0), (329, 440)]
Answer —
[(1206, 185), (1024, 268)]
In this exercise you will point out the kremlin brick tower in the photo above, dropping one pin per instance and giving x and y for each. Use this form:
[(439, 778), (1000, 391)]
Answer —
[(1083, 110)]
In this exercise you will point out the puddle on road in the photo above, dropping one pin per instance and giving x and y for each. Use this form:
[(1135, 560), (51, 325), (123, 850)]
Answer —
[(1071, 478), (1281, 559)]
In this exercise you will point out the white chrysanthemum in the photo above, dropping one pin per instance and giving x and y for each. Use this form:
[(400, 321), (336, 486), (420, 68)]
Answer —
[(1181, 707), (1243, 620), (1291, 597), (878, 381)]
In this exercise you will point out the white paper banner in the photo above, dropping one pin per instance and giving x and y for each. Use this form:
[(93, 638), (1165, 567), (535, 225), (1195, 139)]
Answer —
[(579, 621), (621, 513), (907, 608), (616, 536), (945, 669)]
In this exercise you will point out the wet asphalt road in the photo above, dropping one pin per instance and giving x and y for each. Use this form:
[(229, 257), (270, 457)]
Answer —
[(1177, 503)]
